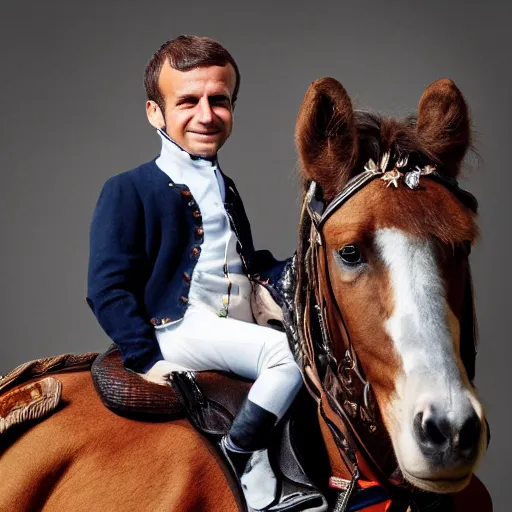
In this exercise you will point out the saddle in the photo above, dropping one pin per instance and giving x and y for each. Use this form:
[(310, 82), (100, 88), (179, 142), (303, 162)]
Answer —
[(210, 400), (126, 393)]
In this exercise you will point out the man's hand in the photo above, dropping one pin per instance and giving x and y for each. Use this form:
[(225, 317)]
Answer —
[(159, 372), (264, 307)]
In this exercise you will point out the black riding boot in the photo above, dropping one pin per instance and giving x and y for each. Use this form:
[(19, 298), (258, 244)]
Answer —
[(245, 448)]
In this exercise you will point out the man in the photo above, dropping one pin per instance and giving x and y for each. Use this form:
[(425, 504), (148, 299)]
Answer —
[(171, 257)]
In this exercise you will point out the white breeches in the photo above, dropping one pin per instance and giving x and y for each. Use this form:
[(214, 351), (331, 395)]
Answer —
[(205, 341)]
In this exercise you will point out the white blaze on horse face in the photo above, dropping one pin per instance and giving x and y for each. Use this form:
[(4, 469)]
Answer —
[(419, 324), (425, 334)]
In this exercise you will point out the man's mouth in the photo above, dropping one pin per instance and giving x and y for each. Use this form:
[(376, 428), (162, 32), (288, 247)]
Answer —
[(206, 134)]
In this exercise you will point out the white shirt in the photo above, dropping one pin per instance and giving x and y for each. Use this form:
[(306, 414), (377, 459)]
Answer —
[(209, 284)]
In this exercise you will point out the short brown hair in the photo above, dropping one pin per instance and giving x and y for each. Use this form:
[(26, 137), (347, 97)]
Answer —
[(184, 53)]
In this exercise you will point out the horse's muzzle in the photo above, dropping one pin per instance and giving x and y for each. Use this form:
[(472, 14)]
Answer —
[(447, 441)]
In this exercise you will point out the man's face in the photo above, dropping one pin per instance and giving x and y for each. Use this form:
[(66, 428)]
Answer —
[(198, 109)]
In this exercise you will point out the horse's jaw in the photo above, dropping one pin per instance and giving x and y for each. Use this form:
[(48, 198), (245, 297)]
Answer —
[(440, 486)]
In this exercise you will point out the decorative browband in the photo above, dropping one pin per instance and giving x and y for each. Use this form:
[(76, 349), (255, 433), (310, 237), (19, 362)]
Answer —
[(411, 177)]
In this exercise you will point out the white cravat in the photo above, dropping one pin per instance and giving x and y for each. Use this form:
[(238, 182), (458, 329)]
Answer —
[(209, 285)]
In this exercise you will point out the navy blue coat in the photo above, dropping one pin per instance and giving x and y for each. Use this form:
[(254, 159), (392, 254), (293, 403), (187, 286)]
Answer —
[(145, 240)]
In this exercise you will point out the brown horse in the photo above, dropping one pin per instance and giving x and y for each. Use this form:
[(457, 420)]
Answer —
[(379, 313)]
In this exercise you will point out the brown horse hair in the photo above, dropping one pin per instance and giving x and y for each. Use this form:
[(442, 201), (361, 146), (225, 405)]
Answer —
[(377, 134)]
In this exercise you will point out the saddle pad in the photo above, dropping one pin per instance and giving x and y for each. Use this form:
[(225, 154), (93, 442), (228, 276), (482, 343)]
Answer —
[(29, 402), (40, 367)]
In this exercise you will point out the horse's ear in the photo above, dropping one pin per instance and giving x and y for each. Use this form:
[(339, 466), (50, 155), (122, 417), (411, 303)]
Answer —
[(326, 135), (443, 124)]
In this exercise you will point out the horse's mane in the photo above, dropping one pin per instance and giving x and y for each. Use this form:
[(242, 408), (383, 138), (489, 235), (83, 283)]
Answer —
[(378, 134)]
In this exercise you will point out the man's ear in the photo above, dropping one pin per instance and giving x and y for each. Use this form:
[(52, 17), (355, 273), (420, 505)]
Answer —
[(155, 115)]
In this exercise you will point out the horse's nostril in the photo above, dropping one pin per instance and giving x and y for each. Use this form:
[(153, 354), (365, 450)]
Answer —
[(432, 432), (470, 433), (436, 434), (436, 431)]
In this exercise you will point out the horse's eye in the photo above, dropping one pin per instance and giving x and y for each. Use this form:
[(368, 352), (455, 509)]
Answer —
[(351, 255)]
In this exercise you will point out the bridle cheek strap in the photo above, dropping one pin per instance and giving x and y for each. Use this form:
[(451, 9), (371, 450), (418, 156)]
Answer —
[(317, 313), (350, 461)]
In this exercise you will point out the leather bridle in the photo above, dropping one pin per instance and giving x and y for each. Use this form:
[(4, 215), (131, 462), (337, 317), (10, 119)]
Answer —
[(343, 394)]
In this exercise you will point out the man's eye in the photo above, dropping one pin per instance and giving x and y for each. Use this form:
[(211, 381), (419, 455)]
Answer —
[(220, 102), (188, 102)]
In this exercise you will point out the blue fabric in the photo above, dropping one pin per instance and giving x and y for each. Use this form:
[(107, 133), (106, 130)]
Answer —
[(145, 240), (366, 498)]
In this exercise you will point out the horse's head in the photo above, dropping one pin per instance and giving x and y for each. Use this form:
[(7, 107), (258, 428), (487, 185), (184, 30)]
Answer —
[(396, 266)]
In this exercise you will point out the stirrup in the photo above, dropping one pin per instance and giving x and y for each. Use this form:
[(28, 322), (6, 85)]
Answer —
[(290, 496)]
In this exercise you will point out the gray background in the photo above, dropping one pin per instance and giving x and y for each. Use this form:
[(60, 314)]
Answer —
[(72, 114)]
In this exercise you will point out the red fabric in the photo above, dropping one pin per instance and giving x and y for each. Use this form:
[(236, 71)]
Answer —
[(379, 507), (474, 495)]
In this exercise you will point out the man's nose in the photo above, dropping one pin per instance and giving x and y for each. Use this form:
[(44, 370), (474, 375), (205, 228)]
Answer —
[(205, 111)]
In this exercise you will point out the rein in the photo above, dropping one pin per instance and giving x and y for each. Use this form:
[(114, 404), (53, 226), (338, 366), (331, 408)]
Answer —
[(340, 389)]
